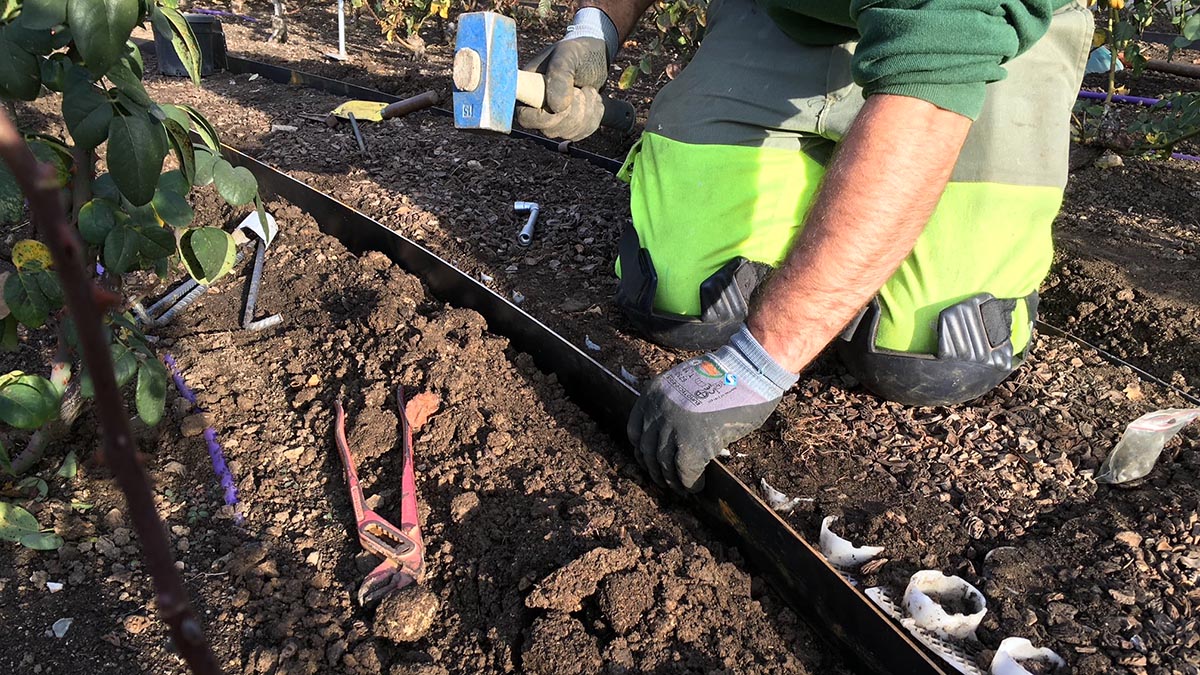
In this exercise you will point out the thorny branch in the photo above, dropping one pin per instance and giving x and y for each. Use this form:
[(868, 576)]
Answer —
[(84, 300)]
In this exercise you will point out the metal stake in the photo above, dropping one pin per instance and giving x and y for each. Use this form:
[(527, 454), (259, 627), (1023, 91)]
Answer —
[(341, 53), (362, 147)]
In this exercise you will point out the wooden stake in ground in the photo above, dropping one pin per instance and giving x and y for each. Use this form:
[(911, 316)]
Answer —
[(84, 302)]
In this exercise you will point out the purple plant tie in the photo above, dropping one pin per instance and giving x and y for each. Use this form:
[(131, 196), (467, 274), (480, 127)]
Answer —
[(215, 453)]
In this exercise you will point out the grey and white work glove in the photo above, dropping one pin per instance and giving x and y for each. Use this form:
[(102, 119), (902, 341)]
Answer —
[(575, 68), (687, 415)]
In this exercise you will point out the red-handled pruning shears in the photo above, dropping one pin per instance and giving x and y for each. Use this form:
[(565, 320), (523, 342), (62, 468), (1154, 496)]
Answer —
[(401, 548)]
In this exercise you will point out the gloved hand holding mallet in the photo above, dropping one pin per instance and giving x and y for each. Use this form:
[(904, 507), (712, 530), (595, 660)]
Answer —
[(488, 86)]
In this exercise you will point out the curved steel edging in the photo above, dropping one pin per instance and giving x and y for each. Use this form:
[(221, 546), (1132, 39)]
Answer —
[(814, 589)]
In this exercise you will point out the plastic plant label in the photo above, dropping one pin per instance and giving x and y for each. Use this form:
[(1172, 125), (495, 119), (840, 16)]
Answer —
[(1142, 443), (254, 224)]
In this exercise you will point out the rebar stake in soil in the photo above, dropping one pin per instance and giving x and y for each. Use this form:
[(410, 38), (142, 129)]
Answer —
[(37, 181)]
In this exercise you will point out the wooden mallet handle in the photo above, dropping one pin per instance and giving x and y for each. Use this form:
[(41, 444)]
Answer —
[(410, 105)]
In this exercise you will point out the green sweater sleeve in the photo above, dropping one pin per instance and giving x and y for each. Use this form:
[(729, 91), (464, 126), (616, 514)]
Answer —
[(943, 51)]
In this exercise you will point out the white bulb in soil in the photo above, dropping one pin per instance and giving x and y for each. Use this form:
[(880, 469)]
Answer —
[(927, 593), (1013, 652), (840, 552)]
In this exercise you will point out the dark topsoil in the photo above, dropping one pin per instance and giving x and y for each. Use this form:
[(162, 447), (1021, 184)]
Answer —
[(999, 491), (545, 549)]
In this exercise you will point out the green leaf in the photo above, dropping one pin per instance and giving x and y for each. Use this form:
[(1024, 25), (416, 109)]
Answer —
[(54, 152), (1191, 28), (36, 41), (173, 112), (12, 200), (170, 23), (202, 126), (44, 13), (20, 71), (175, 182), (41, 541), (96, 219), (16, 522), (236, 185), (28, 402), (129, 84), (105, 186), (135, 156), (208, 253), (25, 294), (133, 59), (151, 391), (6, 461), (8, 334), (185, 152), (86, 109), (125, 364), (628, 77), (101, 28), (54, 71), (34, 485), (205, 164), (69, 468), (131, 246), (172, 208)]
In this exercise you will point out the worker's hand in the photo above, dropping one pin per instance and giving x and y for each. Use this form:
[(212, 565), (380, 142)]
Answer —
[(580, 118), (575, 62), (687, 415), (575, 69), (578, 62)]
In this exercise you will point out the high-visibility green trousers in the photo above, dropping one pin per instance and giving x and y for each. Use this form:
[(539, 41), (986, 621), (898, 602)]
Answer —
[(735, 148)]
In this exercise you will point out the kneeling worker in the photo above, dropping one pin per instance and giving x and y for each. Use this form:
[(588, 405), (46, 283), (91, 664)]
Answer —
[(895, 165)]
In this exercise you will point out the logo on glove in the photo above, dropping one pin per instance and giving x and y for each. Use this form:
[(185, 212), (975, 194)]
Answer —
[(708, 368)]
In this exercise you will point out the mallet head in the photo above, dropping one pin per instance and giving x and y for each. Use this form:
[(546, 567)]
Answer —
[(485, 72)]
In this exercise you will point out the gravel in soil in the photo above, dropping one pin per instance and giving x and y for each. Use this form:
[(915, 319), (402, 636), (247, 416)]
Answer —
[(546, 553)]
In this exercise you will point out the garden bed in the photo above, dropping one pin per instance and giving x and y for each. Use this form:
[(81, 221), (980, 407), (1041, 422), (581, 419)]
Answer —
[(940, 488), (1000, 491), (544, 547)]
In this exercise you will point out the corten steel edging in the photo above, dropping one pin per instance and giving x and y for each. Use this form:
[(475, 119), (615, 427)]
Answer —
[(813, 589), (283, 75)]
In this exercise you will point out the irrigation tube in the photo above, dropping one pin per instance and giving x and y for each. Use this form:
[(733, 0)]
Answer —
[(1122, 98)]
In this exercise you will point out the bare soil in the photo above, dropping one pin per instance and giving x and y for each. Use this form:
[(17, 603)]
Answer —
[(545, 551)]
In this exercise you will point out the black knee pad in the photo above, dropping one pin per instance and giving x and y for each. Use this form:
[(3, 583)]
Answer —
[(975, 354), (724, 299)]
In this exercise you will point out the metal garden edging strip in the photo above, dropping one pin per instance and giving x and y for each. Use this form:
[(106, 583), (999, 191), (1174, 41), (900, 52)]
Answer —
[(814, 589)]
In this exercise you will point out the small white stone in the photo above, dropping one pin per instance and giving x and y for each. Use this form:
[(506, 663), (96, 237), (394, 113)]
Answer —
[(54, 586), (61, 627)]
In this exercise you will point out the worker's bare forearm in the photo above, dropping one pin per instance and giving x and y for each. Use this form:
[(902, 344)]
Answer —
[(624, 13), (878, 193)]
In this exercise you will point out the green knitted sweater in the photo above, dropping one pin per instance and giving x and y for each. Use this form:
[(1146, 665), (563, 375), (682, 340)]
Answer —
[(941, 51)]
